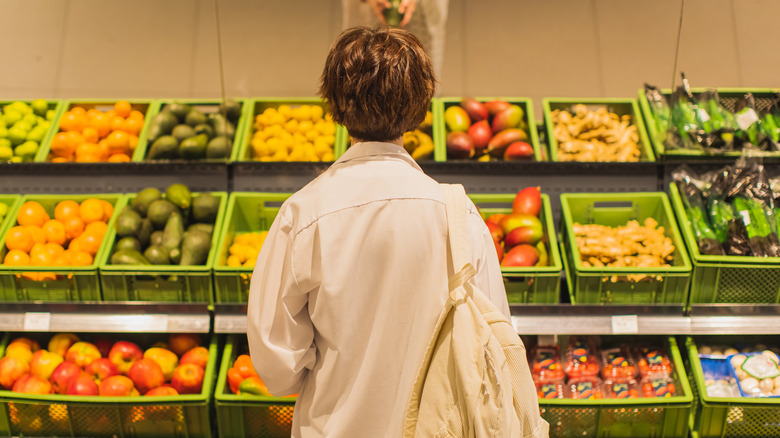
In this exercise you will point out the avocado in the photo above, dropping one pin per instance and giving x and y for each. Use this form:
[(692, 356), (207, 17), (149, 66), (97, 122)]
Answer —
[(175, 256), (231, 109), (145, 197), (128, 242), (205, 208), (204, 128), (146, 232), (156, 238), (164, 148), (219, 147), (180, 132), (180, 110), (179, 195), (195, 117), (172, 234), (159, 211), (162, 124), (195, 248), (206, 228), (157, 255), (128, 257), (222, 127), (128, 223), (193, 148)]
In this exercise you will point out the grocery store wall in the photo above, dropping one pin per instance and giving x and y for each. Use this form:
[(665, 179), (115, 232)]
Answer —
[(152, 48)]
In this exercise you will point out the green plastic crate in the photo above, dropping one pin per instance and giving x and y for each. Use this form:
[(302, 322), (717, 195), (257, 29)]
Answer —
[(248, 416), (642, 417), (207, 106), (533, 284), (11, 202), (738, 417), (618, 106), (54, 104), (74, 283), (727, 279), (440, 128), (246, 212), (594, 285), (728, 96), (143, 105), (258, 105), (170, 283), (96, 416)]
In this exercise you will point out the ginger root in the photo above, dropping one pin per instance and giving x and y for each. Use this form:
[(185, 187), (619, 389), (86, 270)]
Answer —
[(599, 135)]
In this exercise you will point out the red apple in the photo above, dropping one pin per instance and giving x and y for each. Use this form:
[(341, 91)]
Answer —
[(521, 256), (82, 353), (167, 360), (146, 374), (43, 363), (104, 346), (123, 354), (516, 220), (101, 369), (528, 201), (495, 231), (162, 391), (519, 151), (495, 219), (62, 375), (481, 134), (116, 386), (198, 355), (181, 343), (187, 379), (11, 369), (499, 250), (60, 343), (520, 235), (83, 385), (29, 384)]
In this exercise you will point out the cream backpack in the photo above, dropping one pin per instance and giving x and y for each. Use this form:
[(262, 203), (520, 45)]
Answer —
[(474, 380)]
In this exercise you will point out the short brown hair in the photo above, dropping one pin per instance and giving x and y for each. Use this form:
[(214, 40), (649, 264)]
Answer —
[(378, 82)]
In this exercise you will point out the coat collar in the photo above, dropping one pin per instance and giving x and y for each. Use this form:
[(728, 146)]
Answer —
[(374, 150)]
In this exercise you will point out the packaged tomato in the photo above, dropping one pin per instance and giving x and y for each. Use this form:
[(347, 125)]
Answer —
[(618, 366), (653, 362), (547, 364), (622, 389), (581, 360), (658, 386), (586, 388), (550, 389)]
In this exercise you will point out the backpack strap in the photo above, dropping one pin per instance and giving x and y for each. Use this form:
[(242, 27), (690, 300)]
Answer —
[(455, 202)]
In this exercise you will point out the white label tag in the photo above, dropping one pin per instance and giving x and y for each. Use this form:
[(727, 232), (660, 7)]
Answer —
[(625, 324), (703, 116), (747, 118), (745, 217), (37, 321)]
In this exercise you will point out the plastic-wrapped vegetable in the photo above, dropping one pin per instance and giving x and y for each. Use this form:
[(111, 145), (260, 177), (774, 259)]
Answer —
[(750, 128), (695, 210), (729, 226), (661, 111), (683, 120), (753, 200), (718, 122)]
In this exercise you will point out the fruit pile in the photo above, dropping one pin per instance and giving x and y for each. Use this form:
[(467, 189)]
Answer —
[(304, 133), (244, 249), (182, 131), (243, 379), (519, 237), (72, 238), (487, 131), (22, 129), (72, 366), (171, 228), (619, 373), (90, 136), (419, 142)]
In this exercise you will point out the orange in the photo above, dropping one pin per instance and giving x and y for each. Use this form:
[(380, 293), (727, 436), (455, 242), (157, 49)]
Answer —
[(119, 158), (134, 114), (75, 139), (79, 110), (89, 158), (133, 142), (97, 228), (41, 258), (91, 210), (37, 248), (60, 146), (80, 258), (92, 113), (62, 259), (19, 237), (74, 226), (90, 243), (90, 135), (32, 213), (111, 114), (16, 257), (54, 249), (66, 209), (117, 123), (60, 160), (73, 121), (123, 108), (54, 231), (133, 126), (37, 234), (102, 123), (108, 210), (75, 245), (118, 142), (86, 151)]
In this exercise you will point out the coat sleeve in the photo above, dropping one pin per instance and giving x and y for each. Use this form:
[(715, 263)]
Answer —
[(488, 278), (279, 330)]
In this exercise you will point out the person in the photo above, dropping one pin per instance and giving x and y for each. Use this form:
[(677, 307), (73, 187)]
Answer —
[(354, 271), (426, 19)]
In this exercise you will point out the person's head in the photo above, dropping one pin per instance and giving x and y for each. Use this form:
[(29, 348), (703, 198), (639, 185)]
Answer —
[(378, 82)]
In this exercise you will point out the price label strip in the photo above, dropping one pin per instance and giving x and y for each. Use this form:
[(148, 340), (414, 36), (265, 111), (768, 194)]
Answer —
[(625, 324), (37, 321)]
